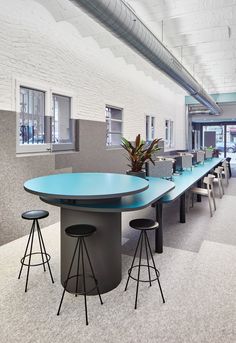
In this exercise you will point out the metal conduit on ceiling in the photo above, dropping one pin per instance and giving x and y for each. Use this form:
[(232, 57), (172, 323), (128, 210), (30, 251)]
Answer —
[(117, 16)]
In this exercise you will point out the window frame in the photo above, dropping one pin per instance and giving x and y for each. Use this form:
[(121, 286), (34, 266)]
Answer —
[(71, 145), (48, 115), (148, 122), (169, 129), (30, 148), (114, 120)]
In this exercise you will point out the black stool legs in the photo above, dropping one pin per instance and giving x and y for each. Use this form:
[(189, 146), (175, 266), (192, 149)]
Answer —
[(143, 239), (68, 276), (81, 246), (44, 255)]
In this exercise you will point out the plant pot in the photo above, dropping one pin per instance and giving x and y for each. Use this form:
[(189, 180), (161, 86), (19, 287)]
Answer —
[(141, 173)]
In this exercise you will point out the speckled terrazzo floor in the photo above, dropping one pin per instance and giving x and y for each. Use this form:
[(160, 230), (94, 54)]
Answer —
[(198, 277)]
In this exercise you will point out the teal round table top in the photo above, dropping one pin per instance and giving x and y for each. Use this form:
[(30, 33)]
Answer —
[(86, 185)]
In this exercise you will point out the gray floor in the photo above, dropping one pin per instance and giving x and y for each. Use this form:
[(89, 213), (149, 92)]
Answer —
[(197, 274)]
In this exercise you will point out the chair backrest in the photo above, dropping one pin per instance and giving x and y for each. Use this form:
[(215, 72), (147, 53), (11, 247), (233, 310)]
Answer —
[(211, 176), (208, 180), (224, 163), (225, 166), (218, 171)]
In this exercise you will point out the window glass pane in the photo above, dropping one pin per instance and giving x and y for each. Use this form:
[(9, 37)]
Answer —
[(114, 126), (152, 127), (116, 114), (171, 133), (116, 139), (113, 139), (167, 131), (147, 128), (32, 111), (61, 132)]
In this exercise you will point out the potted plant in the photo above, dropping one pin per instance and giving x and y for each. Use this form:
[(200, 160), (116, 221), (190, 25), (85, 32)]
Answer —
[(139, 153), (216, 153)]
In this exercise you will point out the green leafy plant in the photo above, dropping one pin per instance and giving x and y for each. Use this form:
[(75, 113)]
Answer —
[(209, 148), (139, 152)]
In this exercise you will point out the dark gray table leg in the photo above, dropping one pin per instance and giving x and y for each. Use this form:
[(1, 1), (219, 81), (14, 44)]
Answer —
[(199, 184), (182, 209), (159, 231)]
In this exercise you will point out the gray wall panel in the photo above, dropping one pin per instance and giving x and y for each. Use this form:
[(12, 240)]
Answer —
[(15, 170), (93, 154)]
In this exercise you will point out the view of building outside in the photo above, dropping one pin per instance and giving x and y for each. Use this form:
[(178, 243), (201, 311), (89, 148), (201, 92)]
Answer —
[(224, 142)]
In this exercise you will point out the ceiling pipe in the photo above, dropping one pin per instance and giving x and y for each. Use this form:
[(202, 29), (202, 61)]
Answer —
[(199, 112), (119, 18)]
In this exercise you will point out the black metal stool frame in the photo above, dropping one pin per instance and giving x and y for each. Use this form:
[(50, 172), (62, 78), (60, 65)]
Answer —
[(42, 252), (82, 245), (143, 236)]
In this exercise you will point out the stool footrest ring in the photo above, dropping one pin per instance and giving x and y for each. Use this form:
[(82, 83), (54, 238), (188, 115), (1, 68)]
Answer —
[(81, 276), (46, 256), (143, 265)]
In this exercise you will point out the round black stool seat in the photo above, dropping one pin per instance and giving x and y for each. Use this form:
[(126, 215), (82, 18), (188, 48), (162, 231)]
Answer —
[(35, 214), (80, 230), (144, 224)]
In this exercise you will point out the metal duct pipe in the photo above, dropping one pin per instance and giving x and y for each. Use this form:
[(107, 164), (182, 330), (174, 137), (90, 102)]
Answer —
[(124, 23), (199, 112)]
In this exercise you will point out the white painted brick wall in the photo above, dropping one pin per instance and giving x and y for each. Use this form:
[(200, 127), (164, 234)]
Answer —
[(34, 46)]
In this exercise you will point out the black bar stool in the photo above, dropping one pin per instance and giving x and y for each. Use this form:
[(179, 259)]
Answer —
[(143, 225), (35, 215), (80, 231)]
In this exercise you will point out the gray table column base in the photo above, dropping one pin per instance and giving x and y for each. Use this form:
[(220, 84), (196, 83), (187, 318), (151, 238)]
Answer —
[(104, 248)]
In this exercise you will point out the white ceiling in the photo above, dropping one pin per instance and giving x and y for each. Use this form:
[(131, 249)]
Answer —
[(200, 33)]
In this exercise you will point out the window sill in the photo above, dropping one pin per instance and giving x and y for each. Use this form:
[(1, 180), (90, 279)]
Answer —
[(47, 153), (114, 148), (169, 148)]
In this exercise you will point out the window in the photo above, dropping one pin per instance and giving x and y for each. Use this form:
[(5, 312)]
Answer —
[(169, 133), (32, 120), (114, 126), (61, 124), (150, 128), (37, 130)]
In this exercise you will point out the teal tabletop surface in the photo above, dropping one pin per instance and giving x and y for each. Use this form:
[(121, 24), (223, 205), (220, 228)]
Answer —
[(188, 178), (157, 188), (86, 185)]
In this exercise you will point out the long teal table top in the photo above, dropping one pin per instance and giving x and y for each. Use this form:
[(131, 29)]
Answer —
[(86, 185), (188, 178), (157, 188)]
